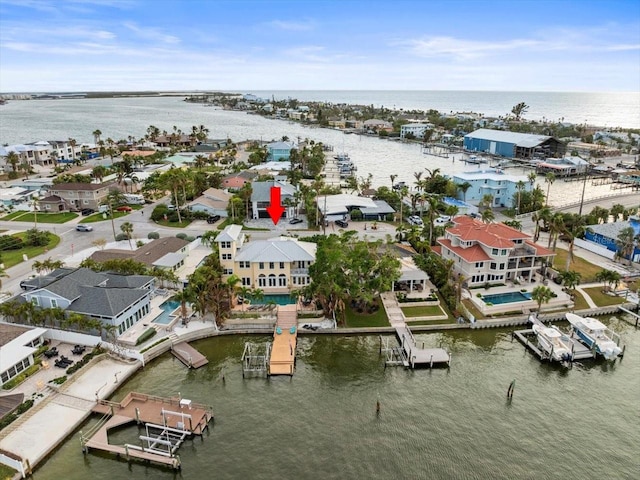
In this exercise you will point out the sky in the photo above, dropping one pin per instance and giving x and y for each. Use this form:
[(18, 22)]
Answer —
[(132, 45)]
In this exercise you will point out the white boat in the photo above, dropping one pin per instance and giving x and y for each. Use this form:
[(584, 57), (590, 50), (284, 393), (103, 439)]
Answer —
[(595, 335), (556, 344)]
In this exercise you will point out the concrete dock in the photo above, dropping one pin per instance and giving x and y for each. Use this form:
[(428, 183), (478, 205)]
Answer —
[(188, 355)]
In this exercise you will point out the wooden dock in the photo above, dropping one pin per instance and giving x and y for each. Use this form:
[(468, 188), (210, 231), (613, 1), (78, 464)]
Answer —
[(175, 418), (285, 337), (188, 355), (415, 355), (633, 314), (529, 340)]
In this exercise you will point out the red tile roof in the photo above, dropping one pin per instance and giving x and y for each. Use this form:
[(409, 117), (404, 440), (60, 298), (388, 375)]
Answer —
[(437, 249), (470, 254), (496, 235)]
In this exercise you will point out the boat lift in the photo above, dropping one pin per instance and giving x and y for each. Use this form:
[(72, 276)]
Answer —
[(255, 358)]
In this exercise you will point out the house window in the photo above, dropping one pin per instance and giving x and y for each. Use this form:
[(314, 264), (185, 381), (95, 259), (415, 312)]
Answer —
[(226, 256), (244, 264), (503, 252), (281, 265), (479, 264), (225, 244), (35, 301), (492, 266), (228, 271), (246, 282), (282, 280), (272, 280), (494, 251), (262, 281), (272, 265), (261, 265), (54, 303), (502, 266)]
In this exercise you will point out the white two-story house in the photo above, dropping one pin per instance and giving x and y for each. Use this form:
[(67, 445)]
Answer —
[(491, 252)]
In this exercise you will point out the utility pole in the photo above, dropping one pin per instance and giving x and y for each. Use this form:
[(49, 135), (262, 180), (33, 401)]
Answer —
[(584, 186)]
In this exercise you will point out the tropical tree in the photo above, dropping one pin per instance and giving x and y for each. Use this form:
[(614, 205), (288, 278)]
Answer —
[(13, 159), (541, 294), (487, 215), (532, 176), (96, 136), (114, 198), (519, 187), (608, 278), (574, 227), (570, 278), (393, 179), (184, 296), (127, 229), (2, 274), (538, 216), (556, 226), (519, 110), (626, 243), (463, 187), (549, 178)]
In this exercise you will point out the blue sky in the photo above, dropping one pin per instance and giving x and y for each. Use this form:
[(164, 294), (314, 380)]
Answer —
[(87, 45)]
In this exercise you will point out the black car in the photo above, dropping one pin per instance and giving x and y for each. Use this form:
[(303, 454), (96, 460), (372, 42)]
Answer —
[(87, 211), (342, 223), (293, 221), (213, 218)]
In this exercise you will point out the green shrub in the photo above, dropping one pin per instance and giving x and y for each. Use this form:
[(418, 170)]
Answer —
[(15, 381), (479, 295), (153, 235), (81, 363), (24, 406), (146, 335), (181, 235), (12, 417), (159, 212), (121, 237), (37, 238), (59, 380), (8, 242), (154, 344), (189, 238)]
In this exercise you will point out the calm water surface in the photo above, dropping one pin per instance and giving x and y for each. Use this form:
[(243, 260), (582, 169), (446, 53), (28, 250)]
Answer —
[(442, 424), (117, 118)]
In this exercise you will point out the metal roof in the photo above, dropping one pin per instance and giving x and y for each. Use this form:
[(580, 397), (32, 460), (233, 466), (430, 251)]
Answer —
[(283, 249), (170, 260), (526, 140), (231, 233)]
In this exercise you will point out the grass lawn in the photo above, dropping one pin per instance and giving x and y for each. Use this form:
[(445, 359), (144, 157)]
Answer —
[(13, 215), (353, 319), (423, 311), (97, 217), (14, 257), (6, 472), (579, 303), (167, 223), (431, 322), (587, 269), (472, 308), (47, 217), (602, 299)]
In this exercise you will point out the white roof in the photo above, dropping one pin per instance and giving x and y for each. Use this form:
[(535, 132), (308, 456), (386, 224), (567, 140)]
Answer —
[(409, 271), (15, 351), (170, 260), (338, 204), (231, 233), (526, 140), (282, 249), (490, 174)]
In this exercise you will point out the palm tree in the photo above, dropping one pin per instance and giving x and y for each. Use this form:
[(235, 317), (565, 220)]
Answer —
[(257, 294), (244, 292), (13, 159), (556, 226), (519, 110), (626, 242), (549, 178), (73, 143), (486, 201), (96, 136), (99, 172), (487, 215), (570, 278), (519, 187), (127, 229), (183, 296), (532, 176), (432, 213), (393, 179), (114, 197), (541, 294), (574, 229), (463, 187), (537, 217)]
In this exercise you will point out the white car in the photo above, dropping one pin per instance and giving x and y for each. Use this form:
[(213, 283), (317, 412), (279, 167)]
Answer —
[(442, 220), (415, 220)]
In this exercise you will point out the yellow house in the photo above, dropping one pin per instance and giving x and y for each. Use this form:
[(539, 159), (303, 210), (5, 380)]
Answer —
[(277, 265)]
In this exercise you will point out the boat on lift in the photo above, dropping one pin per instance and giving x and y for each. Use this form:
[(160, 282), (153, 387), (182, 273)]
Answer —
[(556, 344), (595, 335)]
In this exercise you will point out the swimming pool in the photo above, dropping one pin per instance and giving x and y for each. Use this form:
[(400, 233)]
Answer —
[(510, 297), (454, 201), (278, 298), (167, 308)]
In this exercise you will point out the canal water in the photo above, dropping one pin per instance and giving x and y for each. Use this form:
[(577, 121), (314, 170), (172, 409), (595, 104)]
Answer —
[(452, 423)]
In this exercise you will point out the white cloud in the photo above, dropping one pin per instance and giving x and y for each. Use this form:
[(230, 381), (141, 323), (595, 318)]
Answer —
[(152, 34)]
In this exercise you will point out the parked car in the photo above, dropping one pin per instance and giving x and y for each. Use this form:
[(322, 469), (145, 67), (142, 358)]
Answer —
[(442, 220), (342, 223), (84, 228), (124, 208), (87, 211), (294, 221), (415, 220), (213, 218)]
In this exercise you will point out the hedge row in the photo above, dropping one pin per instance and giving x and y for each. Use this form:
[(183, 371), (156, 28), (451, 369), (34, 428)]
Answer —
[(15, 381), (81, 363), (149, 333), (12, 417), (153, 345)]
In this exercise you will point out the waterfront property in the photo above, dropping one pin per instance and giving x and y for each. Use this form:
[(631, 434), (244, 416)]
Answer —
[(18, 344), (338, 207), (512, 144), (488, 253), (563, 167), (117, 300), (280, 150), (275, 266), (416, 130), (501, 186), (76, 196)]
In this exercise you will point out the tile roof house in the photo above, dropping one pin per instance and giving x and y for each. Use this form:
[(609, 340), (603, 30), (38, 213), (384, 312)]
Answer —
[(212, 201), (277, 265), (118, 300), (491, 252), (237, 180)]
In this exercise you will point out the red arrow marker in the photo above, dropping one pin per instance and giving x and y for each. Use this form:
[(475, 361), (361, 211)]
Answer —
[(275, 210)]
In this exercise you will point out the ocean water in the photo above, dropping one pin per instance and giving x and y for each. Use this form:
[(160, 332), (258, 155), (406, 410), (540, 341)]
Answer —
[(441, 424), (118, 118)]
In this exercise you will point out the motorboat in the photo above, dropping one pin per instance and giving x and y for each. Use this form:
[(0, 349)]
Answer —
[(595, 335), (556, 344)]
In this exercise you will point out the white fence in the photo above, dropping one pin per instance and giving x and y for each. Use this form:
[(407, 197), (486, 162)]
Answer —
[(73, 338), (13, 463), (595, 248)]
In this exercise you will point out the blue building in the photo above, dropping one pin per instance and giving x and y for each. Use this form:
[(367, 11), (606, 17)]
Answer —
[(280, 150), (606, 234), (512, 144), (501, 186)]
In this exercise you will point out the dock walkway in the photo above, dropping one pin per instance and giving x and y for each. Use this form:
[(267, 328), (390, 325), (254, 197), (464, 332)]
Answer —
[(188, 355), (285, 337)]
